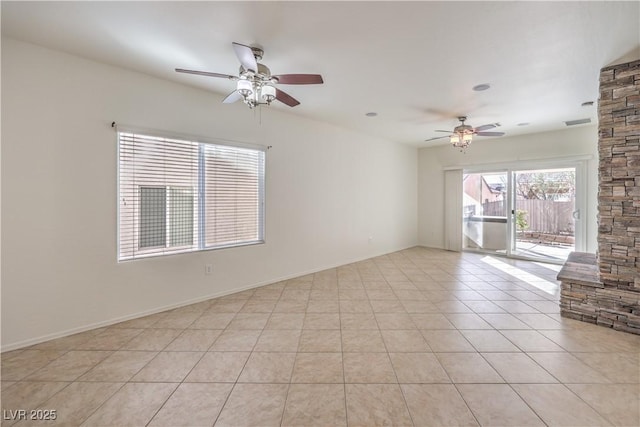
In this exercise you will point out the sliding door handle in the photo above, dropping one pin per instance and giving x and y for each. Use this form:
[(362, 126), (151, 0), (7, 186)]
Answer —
[(576, 214)]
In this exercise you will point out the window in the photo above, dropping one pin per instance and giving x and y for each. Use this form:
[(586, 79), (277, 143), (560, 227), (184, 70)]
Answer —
[(179, 196), (155, 220)]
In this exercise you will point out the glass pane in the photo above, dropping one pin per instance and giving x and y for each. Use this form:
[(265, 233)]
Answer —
[(485, 211), (545, 202), (152, 217), (181, 216)]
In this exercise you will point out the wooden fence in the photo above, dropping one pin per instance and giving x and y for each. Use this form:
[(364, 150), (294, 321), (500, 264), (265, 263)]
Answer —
[(543, 216)]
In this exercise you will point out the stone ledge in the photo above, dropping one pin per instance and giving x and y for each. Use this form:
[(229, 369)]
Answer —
[(581, 268)]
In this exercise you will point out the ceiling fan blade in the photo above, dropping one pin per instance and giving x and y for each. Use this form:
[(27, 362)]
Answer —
[(245, 55), (489, 133), (484, 127), (206, 73), (437, 137), (299, 79), (447, 131), (285, 98), (232, 97)]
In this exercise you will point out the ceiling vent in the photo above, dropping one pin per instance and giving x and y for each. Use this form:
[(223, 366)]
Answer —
[(577, 122)]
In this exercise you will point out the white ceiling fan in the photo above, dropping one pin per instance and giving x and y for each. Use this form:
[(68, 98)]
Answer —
[(462, 135), (255, 83)]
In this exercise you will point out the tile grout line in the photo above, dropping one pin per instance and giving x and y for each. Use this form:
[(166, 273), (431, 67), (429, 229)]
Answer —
[(239, 372), (344, 380)]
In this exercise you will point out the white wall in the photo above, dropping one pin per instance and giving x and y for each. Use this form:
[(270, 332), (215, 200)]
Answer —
[(576, 142), (328, 190)]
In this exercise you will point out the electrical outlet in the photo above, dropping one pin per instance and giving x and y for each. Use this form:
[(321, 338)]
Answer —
[(208, 269)]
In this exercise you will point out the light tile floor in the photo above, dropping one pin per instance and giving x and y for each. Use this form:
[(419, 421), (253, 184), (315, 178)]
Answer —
[(417, 337)]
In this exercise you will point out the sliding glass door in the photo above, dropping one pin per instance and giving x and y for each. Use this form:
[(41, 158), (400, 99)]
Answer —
[(545, 213), (530, 213)]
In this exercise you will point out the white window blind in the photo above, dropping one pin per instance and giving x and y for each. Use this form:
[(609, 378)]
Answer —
[(180, 196), (232, 195)]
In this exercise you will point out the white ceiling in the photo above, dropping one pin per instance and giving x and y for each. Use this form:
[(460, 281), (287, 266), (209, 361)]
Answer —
[(414, 63)]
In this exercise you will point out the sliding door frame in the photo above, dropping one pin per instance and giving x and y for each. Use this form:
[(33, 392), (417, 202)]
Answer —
[(580, 165)]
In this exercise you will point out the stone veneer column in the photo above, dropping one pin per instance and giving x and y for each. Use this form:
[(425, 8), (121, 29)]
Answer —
[(619, 190)]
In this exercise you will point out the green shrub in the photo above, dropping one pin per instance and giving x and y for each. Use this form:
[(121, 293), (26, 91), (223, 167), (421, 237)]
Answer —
[(521, 220)]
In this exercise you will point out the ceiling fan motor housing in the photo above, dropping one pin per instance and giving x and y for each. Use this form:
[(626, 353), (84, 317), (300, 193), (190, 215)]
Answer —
[(263, 73), (462, 128), (257, 52)]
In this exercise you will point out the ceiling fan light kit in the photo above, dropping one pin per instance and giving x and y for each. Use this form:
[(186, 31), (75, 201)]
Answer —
[(255, 85), (461, 140), (255, 93), (245, 88)]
